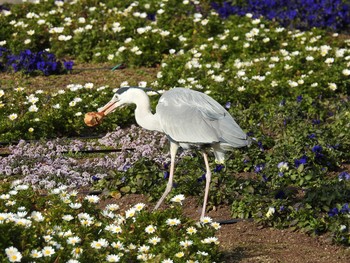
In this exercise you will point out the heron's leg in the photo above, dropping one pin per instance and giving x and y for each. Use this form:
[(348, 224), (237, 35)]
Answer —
[(173, 151), (207, 183)]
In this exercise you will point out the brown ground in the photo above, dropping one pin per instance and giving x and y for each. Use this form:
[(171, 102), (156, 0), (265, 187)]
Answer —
[(247, 242)]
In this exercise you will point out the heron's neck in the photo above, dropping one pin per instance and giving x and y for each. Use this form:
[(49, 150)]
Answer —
[(144, 117)]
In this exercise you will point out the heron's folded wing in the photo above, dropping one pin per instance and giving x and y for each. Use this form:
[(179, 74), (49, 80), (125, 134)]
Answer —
[(190, 116)]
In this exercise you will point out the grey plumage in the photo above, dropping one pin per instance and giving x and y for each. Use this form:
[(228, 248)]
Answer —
[(189, 116)]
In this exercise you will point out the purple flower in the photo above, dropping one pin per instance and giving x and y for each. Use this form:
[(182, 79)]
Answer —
[(344, 176), (302, 160), (166, 175), (228, 105), (264, 177), (333, 212), (316, 122), (218, 168), (259, 167), (317, 149), (345, 209), (280, 195), (312, 136), (201, 179), (95, 178), (68, 65)]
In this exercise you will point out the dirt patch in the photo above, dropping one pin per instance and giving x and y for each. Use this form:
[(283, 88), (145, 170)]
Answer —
[(248, 242)]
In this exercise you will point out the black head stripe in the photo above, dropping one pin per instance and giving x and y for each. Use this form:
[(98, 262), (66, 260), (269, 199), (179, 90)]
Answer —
[(124, 89)]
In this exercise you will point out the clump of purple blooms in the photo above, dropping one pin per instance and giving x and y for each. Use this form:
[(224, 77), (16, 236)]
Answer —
[(301, 14), (29, 62), (47, 165)]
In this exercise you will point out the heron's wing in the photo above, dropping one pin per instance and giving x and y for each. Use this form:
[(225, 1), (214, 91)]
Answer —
[(193, 117)]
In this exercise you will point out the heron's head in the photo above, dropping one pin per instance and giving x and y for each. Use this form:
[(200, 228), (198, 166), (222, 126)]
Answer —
[(123, 96)]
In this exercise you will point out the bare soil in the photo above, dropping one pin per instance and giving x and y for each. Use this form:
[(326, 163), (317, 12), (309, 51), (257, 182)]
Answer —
[(248, 242)]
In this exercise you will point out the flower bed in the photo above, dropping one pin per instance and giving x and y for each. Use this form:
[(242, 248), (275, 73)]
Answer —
[(70, 228)]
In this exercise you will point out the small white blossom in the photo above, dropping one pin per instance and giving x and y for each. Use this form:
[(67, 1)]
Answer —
[(99, 243), (13, 116), (270, 212), (332, 86), (150, 229), (178, 198), (173, 222), (191, 230), (186, 243), (206, 220), (48, 251), (113, 258)]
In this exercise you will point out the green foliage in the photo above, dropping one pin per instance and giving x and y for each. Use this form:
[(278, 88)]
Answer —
[(44, 228)]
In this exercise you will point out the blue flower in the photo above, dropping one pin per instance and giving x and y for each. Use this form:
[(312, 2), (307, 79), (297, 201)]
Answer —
[(264, 177), (299, 98), (68, 65), (316, 122), (166, 175), (312, 136), (333, 212), (302, 14), (317, 149), (344, 176), (260, 145), (280, 195), (259, 167), (95, 178), (302, 160), (201, 179), (218, 168), (126, 167), (345, 209)]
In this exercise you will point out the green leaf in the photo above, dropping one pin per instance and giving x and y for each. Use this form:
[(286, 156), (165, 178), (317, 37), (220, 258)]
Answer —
[(300, 168), (125, 189), (308, 177)]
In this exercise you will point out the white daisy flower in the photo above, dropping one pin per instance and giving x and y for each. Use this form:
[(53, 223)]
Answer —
[(206, 220), (112, 258), (13, 116), (139, 206), (36, 254), (48, 251), (178, 198), (73, 240), (173, 222), (150, 229), (186, 243), (99, 243), (154, 240), (191, 230), (93, 199)]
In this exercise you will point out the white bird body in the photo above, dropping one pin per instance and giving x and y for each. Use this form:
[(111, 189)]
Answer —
[(189, 118)]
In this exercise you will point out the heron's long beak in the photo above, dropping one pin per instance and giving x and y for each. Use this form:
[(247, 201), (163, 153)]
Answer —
[(109, 107)]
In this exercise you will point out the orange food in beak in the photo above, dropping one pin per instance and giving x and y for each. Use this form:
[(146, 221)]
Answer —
[(92, 119)]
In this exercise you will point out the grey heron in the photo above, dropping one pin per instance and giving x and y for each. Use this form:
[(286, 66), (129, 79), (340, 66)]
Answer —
[(189, 119)]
